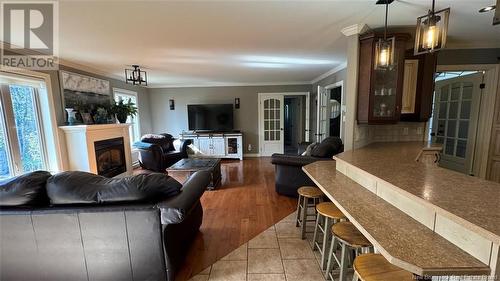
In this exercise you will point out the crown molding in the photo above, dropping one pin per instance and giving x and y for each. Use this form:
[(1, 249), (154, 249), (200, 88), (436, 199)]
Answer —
[(160, 86), (354, 29), (329, 72), (89, 69)]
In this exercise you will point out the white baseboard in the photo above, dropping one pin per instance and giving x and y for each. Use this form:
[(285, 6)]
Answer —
[(251, 155)]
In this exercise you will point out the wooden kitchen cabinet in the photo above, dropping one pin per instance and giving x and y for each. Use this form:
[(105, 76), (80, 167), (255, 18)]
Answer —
[(418, 87), (380, 91)]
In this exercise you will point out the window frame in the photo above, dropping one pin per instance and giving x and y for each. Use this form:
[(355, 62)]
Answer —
[(136, 124), (8, 123)]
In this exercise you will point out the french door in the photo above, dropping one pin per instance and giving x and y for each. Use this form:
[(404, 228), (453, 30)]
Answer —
[(271, 127), (456, 106), (322, 118), (21, 142)]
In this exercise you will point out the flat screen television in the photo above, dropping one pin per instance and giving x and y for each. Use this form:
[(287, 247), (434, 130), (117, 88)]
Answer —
[(210, 117)]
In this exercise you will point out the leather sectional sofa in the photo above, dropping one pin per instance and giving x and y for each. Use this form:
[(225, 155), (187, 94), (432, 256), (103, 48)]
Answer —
[(79, 226)]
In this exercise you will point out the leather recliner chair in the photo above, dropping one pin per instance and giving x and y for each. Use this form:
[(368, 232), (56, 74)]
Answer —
[(288, 168), (157, 152)]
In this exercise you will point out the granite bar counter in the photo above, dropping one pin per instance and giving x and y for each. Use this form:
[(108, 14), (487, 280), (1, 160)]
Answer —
[(447, 207)]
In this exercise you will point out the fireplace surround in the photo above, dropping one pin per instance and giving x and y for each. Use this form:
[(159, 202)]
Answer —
[(100, 149)]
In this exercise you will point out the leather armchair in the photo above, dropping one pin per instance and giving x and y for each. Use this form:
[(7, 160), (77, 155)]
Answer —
[(142, 240), (157, 152), (288, 168)]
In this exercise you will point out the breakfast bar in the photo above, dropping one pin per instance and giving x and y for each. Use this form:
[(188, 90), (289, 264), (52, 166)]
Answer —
[(425, 219)]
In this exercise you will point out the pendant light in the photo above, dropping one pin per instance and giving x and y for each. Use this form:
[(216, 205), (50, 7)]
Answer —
[(431, 31), (384, 48)]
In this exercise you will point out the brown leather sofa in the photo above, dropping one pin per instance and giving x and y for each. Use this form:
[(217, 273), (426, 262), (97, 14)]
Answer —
[(157, 151), (288, 168), (79, 226)]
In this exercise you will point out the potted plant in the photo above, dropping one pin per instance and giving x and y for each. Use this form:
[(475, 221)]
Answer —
[(123, 110)]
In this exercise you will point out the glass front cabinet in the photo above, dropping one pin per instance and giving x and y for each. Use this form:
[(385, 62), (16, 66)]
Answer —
[(380, 90)]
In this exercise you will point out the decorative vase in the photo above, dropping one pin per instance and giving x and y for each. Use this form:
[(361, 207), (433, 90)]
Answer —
[(71, 116), (122, 118)]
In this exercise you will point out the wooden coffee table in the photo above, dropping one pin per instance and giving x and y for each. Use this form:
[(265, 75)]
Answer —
[(184, 168)]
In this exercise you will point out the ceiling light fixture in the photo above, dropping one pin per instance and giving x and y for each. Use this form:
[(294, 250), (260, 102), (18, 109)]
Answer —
[(136, 76), (487, 9), (384, 48), (431, 31)]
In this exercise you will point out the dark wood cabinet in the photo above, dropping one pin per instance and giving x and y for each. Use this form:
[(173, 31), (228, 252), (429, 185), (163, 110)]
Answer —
[(380, 91), (418, 87)]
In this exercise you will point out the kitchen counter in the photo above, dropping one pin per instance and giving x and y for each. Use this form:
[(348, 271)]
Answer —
[(402, 240), (453, 208)]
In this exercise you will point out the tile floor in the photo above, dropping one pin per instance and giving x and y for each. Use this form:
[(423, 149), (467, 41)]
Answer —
[(277, 254)]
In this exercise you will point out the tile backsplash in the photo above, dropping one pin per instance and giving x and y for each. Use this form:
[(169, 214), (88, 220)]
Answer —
[(403, 131)]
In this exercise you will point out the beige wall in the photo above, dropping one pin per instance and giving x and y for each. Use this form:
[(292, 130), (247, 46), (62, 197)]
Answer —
[(245, 118)]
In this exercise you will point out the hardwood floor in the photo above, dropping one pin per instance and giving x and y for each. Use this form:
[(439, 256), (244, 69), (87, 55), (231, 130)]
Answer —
[(245, 205)]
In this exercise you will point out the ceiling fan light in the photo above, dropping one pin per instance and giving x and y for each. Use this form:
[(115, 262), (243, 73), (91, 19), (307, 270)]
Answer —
[(431, 31)]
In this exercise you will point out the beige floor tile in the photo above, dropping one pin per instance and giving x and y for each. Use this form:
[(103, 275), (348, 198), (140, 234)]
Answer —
[(199, 277), (264, 261), (239, 254), (229, 271), (295, 248), (205, 271), (265, 240), (266, 277), (291, 217), (302, 270), (287, 229)]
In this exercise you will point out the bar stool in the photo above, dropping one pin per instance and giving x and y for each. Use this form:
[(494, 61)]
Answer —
[(330, 214), (349, 238), (374, 267), (307, 193)]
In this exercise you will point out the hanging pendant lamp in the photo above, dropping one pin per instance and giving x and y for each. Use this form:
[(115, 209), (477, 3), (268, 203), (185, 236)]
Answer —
[(384, 48), (431, 31)]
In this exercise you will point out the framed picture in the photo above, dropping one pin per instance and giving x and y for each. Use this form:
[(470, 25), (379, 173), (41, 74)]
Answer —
[(87, 118)]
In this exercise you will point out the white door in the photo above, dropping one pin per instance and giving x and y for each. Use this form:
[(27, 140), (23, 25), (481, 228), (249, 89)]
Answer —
[(322, 122), (455, 117), (271, 127)]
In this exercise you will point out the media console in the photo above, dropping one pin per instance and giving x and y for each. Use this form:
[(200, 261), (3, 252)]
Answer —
[(217, 145)]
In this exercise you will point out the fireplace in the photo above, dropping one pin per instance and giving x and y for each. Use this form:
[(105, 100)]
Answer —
[(110, 157)]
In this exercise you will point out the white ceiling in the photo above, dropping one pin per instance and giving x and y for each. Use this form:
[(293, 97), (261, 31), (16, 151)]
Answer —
[(240, 42)]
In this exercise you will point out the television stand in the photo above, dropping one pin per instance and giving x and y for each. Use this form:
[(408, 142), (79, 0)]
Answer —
[(217, 144)]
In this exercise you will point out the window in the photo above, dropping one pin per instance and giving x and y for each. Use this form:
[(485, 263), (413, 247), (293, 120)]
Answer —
[(22, 146), (125, 95)]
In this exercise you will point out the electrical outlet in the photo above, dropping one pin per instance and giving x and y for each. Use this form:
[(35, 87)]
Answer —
[(249, 147), (405, 131), (420, 131)]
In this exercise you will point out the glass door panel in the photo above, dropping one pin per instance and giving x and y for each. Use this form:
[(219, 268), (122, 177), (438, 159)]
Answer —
[(5, 162)]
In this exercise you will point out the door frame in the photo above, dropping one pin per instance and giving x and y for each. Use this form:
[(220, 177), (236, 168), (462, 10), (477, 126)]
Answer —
[(307, 113), (486, 111), (343, 107)]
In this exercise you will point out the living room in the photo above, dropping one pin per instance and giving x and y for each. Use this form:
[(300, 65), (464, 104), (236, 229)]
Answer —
[(227, 140)]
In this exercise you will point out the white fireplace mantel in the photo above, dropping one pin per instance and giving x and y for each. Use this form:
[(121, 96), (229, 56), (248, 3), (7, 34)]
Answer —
[(80, 141)]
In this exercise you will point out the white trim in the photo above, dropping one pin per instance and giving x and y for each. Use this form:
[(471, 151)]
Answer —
[(487, 109), (307, 128), (342, 104), (329, 72), (229, 84), (354, 29)]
